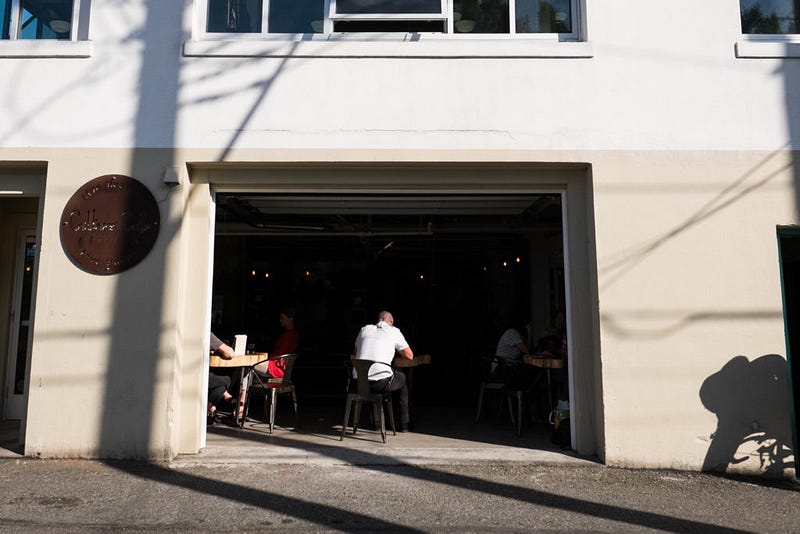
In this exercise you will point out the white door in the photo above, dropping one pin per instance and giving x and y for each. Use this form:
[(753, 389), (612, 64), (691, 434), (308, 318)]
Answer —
[(20, 328)]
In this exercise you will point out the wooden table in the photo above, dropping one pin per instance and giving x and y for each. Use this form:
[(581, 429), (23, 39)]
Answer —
[(544, 363), (402, 361), (547, 364), (242, 362)]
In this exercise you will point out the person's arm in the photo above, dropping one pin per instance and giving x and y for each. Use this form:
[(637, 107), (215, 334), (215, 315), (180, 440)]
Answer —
[(226, 352), (220, 348), (523, 348), (400, 341), (406, 352)]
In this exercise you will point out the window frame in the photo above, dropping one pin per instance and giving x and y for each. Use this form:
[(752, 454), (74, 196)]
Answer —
[(201, 33), (15, 17), (787, 37), (202, 24), (766, 45), (334, 16)]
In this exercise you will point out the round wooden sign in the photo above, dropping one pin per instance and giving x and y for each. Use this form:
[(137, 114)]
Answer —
[(110, 224)]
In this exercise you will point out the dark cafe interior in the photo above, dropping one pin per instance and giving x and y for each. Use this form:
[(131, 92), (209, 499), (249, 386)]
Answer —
[(456, 272)]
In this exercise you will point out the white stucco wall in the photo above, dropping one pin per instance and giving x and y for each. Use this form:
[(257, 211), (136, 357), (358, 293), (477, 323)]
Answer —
[(659, 79), (691, 170)]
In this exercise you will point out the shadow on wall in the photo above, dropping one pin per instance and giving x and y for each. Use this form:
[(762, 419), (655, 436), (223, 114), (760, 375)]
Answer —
[(751, 401)]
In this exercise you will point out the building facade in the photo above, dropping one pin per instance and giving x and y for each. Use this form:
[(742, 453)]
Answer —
[(669, 142)]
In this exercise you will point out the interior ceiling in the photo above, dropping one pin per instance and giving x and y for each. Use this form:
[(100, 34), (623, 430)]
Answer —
[(368, 215)]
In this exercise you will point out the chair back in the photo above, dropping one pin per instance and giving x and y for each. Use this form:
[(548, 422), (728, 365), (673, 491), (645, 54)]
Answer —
[(363, 394), (289, 359), (486, 367), (361, 368)]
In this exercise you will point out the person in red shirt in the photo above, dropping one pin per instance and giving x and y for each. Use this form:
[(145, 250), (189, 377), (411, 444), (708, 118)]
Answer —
[(285, 344)]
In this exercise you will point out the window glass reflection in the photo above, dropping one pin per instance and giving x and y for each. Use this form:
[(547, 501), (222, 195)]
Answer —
[(5, 18), (234, 16), (770, 16), (296, 16), (543, 16), (45, 19), (480, 16), (388, 6)]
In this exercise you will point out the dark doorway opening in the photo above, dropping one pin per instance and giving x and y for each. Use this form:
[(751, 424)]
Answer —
[(455, 270), (789, 246)]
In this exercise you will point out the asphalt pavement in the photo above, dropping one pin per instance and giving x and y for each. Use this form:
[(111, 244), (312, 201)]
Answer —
[(451, 476), (86, 496)]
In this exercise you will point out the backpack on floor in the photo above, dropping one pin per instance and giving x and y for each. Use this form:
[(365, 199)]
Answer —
[(559, 418)]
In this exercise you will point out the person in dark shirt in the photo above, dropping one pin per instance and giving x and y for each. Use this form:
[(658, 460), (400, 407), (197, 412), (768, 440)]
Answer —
[(218, 384)]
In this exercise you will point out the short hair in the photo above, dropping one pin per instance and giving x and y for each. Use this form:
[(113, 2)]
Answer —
[(288, 312), (385, 316)]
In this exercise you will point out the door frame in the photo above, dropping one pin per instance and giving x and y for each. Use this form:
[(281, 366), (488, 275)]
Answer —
[(14, 405), (21, 180), (574, 180)]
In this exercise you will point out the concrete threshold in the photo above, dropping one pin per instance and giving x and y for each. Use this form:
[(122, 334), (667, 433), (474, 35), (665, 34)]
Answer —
[(463, 442), (378, 455)]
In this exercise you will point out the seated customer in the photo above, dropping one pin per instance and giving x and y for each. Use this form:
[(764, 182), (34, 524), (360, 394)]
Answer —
[(285, 344), (379, 342), (513, 344), (218, 384)]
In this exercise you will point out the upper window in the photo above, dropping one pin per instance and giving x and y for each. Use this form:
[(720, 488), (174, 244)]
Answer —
[(770, 16), (263, 17), (38, 19)]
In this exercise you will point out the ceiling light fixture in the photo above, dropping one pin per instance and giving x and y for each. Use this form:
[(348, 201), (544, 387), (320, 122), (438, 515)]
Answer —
[(60, 26)]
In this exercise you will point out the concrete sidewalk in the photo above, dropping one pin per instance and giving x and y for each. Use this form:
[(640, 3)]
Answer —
[(465, 478)]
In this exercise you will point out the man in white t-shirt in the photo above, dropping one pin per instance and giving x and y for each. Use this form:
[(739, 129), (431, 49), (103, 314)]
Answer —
[(379, 342)]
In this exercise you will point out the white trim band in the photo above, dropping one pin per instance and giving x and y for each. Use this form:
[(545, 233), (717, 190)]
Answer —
[(767, 49), (433, 48), (24, 48)]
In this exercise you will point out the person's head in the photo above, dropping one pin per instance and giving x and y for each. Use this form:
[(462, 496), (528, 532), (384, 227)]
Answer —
[(287, 318), (386, 317)]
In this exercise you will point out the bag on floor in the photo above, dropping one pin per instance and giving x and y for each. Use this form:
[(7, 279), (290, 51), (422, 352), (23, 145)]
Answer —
[(559, 418)]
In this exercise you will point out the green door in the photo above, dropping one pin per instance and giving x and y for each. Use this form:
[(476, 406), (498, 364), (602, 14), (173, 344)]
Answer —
[(789, 250)]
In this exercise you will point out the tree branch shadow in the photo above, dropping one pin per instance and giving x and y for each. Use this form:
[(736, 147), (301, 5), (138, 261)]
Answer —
[(623, 262)]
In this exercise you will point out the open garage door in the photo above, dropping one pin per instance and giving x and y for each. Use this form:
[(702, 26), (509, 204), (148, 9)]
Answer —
[(458, 251), (456, 270)]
